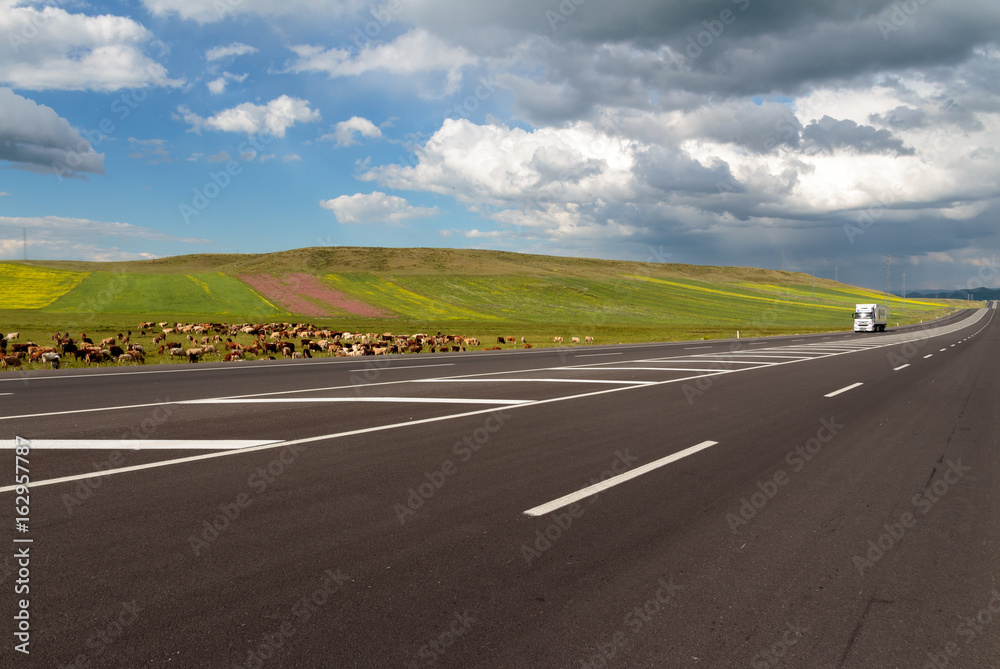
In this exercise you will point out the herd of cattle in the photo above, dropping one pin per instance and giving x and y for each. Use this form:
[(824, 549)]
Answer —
[(199, 341)]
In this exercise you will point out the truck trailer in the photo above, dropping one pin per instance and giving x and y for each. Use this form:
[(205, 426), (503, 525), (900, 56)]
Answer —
[(871, 317)]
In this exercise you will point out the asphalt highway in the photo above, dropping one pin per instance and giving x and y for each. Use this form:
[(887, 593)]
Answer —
[(811, 501)]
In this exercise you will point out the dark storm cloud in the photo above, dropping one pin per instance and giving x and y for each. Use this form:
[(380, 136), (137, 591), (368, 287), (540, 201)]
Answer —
[(33, 137), (829, 134)]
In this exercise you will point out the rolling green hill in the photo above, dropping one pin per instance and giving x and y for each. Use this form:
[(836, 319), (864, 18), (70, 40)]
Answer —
[(478, 292)]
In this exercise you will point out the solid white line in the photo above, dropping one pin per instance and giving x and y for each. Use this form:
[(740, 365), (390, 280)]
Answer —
[(71, 411), (415, 400), (566, 500), (844, 389), (761, 355), (695, 348), (635, 383), (639, 369), (702, 361), (594, 355), (386, 368), (140, 444), (896, 369)]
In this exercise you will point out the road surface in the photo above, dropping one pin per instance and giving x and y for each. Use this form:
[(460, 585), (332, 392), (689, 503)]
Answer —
[(812, 501)]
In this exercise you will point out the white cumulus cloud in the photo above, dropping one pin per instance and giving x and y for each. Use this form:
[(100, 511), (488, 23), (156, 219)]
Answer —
[(275, 117), (49, 48), (234, 49), (345, 131), (415, 52), (375, 207)]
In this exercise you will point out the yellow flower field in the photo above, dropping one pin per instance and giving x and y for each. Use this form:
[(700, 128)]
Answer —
[(26, 287)]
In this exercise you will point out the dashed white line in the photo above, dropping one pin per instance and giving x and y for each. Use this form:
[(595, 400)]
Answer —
[(844, 389), (566, 500), (896, 369), (929, 355)]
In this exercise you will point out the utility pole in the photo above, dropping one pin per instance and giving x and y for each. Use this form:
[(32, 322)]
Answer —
[(887, 260)]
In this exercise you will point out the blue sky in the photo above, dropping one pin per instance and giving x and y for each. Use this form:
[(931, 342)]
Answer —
[(810, 136)]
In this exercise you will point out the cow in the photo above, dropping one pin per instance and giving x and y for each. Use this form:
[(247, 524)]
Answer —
[(10, 361), (511, 340), (12, 336), (588, 340), (557, 340), (575, 340), (500, 340)]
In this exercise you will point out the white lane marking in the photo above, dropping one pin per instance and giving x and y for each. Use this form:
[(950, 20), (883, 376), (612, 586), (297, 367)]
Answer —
[(594, 355), (702, 361), (141, 444), (942, 350), (6, 393), (749, 354), (640, 369), (335, 435), (695, 348), (415, 400), (844, 389), (566, 500), (71, 411), (634, 383), (896, 369), (929, 355), (385, 368)]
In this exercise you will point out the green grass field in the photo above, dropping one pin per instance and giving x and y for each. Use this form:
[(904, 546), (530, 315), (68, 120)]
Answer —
[(191, 294), (478, 293)]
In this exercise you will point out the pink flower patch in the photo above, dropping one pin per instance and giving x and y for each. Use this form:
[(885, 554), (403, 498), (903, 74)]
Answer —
[(304, 294)]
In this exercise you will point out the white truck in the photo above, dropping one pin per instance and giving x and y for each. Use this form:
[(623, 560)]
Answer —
[(871, 317)]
